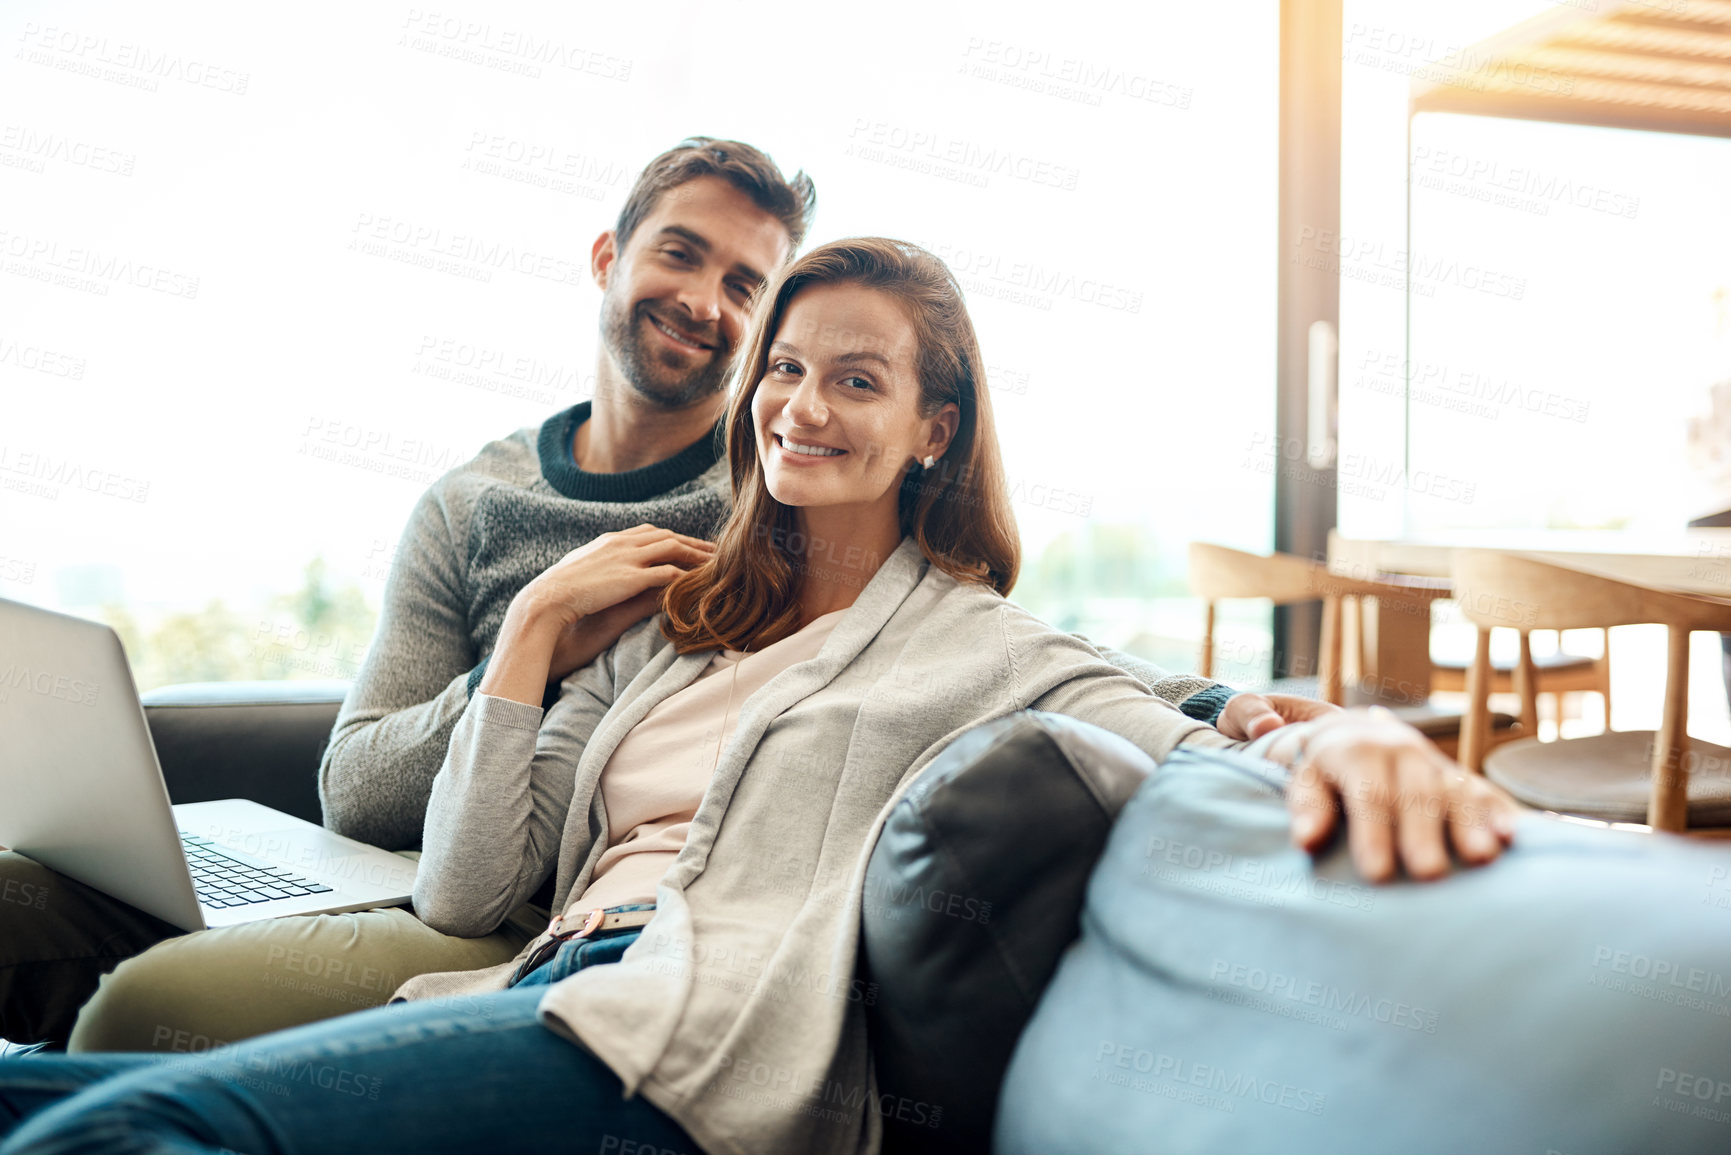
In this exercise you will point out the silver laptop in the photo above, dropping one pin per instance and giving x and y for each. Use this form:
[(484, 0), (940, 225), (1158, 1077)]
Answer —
[(82, 793)]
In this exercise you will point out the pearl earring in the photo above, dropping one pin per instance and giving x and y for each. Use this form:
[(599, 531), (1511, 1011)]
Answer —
[(929, 461)]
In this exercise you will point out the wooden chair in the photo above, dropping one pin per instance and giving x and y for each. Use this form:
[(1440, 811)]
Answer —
[(1218, 573), (1623, 776), (1554, 674)]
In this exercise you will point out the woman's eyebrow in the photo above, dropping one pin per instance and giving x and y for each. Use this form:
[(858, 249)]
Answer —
[(853, 358)]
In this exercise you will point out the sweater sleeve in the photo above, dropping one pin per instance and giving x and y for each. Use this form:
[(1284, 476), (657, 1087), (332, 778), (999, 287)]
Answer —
[(1195, 696), (499, 804), (500, 801), (391, 733), (1062, 674)]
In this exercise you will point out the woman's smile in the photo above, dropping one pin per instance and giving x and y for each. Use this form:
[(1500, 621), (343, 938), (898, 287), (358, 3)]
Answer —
[(805, 452)]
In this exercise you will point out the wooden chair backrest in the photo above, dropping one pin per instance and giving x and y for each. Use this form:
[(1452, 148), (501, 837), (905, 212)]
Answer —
[(1218, 572), (1524, 593)]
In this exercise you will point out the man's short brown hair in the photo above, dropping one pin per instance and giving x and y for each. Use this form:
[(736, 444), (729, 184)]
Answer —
[(748, 169)]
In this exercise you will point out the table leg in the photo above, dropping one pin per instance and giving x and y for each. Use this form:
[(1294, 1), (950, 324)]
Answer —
[(1396, 652)]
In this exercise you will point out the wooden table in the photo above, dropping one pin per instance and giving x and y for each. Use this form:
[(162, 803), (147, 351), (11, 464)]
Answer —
[(1397, 645)]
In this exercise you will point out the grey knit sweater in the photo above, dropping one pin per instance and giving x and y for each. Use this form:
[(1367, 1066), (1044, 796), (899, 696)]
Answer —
[(476, 538)]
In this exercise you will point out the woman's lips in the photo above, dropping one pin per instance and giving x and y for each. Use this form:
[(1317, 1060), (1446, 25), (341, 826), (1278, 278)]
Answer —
[(793, 457)]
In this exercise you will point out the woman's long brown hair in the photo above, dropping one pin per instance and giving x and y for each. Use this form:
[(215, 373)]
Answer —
[(747, 595)]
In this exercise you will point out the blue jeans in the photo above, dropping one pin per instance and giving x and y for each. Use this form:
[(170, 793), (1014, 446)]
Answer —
[(466, 1074)]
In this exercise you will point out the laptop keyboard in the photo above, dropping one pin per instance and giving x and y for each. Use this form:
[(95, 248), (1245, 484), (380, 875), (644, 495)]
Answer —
[(222, 877)]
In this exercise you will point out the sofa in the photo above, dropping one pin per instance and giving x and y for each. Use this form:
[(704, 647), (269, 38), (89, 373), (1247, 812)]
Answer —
[(1062, 952)]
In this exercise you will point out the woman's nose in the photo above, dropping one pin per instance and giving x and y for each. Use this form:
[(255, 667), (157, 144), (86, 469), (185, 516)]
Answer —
[(805, 405)]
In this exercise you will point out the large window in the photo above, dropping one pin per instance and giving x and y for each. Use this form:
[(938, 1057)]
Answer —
[(1612, 250), (1569, 316), (265, 278)]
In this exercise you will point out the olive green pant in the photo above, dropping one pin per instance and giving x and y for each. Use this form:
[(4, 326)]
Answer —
[(194, 991), (57, 938)]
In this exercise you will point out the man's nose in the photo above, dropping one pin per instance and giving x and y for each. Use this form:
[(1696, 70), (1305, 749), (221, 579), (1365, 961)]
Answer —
[(702, 299)]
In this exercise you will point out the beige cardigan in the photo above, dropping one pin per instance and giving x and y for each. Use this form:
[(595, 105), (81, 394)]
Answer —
[(737, 1012)]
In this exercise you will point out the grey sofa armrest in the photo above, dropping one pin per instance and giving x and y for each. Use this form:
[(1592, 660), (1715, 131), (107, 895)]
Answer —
[(257, 740)]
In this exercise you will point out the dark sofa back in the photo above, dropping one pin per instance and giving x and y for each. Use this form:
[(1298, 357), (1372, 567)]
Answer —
[(257, 740), (973, 892)]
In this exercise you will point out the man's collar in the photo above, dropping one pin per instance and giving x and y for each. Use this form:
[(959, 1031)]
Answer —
[(560, 468)]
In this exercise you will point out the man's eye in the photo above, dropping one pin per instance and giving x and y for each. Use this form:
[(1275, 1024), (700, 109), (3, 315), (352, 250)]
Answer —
[(678, 255), (857, 382), (741, 290)]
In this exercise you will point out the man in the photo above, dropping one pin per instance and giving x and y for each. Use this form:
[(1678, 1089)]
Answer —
[(706, 224)]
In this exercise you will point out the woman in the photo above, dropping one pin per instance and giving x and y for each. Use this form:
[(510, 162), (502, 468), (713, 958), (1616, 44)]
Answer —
[(708, 792)]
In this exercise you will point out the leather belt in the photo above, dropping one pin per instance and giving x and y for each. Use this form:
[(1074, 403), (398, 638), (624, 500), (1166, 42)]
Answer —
[(588, 922), (581, 924)]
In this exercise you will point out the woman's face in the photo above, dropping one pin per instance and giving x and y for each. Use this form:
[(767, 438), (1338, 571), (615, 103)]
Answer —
[(837, 410)]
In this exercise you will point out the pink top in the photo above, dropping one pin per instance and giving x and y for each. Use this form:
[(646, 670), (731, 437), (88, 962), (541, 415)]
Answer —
[(656, 777)]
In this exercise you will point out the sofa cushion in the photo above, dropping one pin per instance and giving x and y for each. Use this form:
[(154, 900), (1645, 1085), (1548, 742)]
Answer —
[(972, 893), (1229, 995)]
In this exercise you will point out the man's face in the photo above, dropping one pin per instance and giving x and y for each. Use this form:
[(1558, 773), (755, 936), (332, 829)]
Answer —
[(674, 302)]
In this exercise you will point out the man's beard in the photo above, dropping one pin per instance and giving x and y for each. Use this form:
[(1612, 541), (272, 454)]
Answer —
[(660, 376)]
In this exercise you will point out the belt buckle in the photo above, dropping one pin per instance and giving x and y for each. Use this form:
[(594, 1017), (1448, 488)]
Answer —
[(591, 923), (556, 934)]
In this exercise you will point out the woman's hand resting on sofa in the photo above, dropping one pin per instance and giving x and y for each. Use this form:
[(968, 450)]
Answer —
[(1406, 803)]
